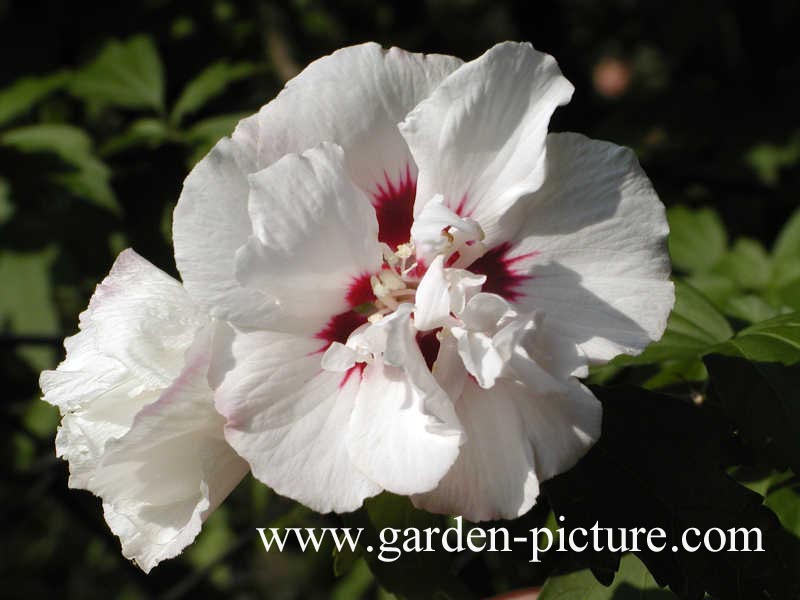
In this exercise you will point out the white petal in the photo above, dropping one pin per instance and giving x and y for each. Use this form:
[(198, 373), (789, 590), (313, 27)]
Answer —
[(403, 433), (354, 98), (448, 369), (139, 427), (288, 418), (339, 358), (315, 234), (434, 218), (132, 345), (478, 139), (594, 249), (211, 223), (515, 440), (486, 312), (480, 356), (442, 292), (145, 319), (393, 437), (170, 470), (433, 298)]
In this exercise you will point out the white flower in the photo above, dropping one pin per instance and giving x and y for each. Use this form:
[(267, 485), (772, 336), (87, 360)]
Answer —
[(138, 425), (415, 274)]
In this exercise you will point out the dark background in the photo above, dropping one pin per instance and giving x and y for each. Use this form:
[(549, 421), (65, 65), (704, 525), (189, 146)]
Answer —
[(706, 92)]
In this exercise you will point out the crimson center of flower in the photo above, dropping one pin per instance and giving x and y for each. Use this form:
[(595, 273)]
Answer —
[(372, 296)]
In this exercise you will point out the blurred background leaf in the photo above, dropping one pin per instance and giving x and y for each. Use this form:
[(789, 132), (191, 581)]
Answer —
[(101, 117)]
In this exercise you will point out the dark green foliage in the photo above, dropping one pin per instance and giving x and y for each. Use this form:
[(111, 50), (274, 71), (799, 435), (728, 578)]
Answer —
[(103, 110)]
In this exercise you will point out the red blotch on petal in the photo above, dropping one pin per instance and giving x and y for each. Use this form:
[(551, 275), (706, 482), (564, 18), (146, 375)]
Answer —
[(360, 291), (394, 206), (429, 346), (339, 327), (357, 369), (502, 278), (461, 208)]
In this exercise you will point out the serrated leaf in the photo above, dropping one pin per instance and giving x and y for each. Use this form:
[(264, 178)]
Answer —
[(89, 176), (783, 498), (697, 238), (127, 74), (148, 132), (787, 295), (755, 379), (660, 463), (787, 244), (716, 288), (786, 254), (26, 306), (775, 341), (211, 82), (761, 399), (750, 308), (632, 582), (746, 264), (694, 326), (767, 159), (23, 94)]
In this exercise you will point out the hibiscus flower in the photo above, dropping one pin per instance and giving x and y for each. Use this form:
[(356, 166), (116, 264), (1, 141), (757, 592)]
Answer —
[(414, 275), (138, 423)]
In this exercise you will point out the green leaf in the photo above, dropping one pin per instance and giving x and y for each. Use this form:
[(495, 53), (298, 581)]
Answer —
[(412, 574), (27, 307), (211, 82), (660, 462), (787, 244), (747, 264), (6, 207), (354, 584), (148, 132), (632, 582), (204, 134), (787, 295), (23, 94), (783, 497), (776, 340), (88, 177), (694, 326), (755, 378), (767, 159), (697, 238), (750, 308), (786, 254), (126, 74)]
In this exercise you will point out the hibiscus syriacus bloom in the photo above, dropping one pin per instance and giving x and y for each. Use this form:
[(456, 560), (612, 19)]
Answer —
[(138, 424), (414, 274)]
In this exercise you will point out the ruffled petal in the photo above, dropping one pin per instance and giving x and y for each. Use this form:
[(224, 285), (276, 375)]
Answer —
[(404, 433), (315, 235), (479, 138), (131, 345), (515, 440), (211, 223), (592, 254), (288, 418), (173, 467), (354, 98), (138, 426), (393, 437)]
